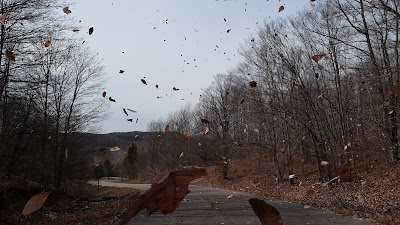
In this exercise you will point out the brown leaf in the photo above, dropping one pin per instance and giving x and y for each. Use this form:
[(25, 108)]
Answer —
[(187, 134), (66, 10), (317, 57), (395, 89), (35, 203), (126, 113), (91, 30), (165, 196), (310, 193), (166, 128), (47, 43), (204, 120), (343, 169), (267, 214), (334, 13), (281, 8), (253, 84), (10, 55), (3, 19)]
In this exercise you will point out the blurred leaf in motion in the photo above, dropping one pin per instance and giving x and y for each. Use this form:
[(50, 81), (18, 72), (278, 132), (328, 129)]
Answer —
[(165, 196), (35, 203), (267, 214)]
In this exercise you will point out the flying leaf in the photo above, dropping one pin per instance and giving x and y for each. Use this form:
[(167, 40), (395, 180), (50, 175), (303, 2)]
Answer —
[(35, 203), (157, 86), (91, 31), (3, 19), (229, 30), (131, 110), (187, 134), (104, 94), (166, 128), (175, 89), (137, 119), (47, 43), (130, 120), (395, 89), (143, 81), (121, 71), (10, 55), (75, 30), (225, 19), (66, 10), (317, 57), (125, 112), (373, 2), (111, 99), (204, 120), (343, 169), (205, 130), (281, 8), (165, 196), (324, 163), (253, 84), (267, 214)]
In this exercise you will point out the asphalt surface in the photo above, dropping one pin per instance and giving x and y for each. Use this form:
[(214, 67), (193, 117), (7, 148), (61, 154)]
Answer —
[(196, 209)]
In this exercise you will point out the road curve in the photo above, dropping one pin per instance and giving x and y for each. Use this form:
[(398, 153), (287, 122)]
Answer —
[(196, 209)]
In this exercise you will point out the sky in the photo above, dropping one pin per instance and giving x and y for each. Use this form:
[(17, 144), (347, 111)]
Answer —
[(172, 43)]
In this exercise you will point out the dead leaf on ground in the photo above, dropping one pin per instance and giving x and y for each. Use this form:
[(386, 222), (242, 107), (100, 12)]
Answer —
[(165, 196), (310, 193), (317, 57), (267, 214), (281, 8), (35, 203), (10, 55), (66, 10)]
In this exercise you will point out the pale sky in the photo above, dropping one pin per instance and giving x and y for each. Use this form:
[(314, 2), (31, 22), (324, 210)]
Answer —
[(152, 49)]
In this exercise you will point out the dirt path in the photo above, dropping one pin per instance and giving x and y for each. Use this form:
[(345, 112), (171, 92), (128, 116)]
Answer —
[(196, 209)]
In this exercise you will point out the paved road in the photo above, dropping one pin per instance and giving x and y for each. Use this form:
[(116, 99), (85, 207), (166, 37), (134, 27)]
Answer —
[(196, 210)]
